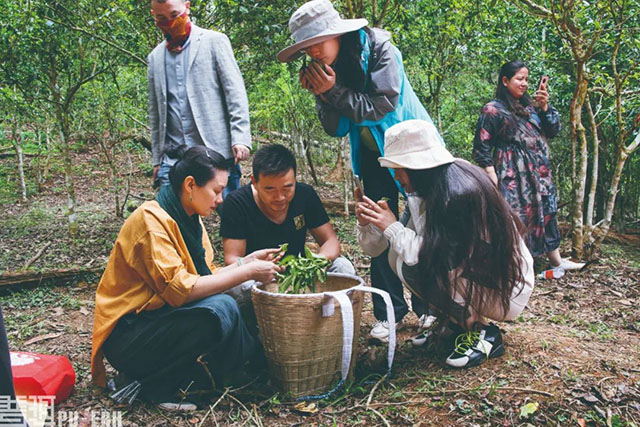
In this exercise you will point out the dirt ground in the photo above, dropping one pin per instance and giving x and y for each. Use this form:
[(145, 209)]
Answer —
[(572, 358)]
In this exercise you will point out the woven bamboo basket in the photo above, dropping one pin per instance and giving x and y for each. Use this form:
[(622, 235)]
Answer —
[(303, 348)]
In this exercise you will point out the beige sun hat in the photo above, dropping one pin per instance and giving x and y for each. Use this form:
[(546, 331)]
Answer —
[(414, 144), (315, 22)]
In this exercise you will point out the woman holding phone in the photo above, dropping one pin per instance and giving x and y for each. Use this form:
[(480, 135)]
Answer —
[(357, 77), (511, 144)]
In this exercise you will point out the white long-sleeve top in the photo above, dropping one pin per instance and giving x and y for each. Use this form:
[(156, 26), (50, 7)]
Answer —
[(404, 239)]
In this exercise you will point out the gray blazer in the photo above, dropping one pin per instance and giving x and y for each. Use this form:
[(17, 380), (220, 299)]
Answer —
[(215, 90)]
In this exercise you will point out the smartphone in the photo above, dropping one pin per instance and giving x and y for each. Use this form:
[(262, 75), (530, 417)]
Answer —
[(358, 192), (543, 82)]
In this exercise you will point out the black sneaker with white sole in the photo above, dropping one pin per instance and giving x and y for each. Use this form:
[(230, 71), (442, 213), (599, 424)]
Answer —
[(422, 338), (474, 347)]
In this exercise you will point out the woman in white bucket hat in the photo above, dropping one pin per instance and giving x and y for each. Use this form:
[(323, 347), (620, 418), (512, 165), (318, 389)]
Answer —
[(458, 245), (361, 89)]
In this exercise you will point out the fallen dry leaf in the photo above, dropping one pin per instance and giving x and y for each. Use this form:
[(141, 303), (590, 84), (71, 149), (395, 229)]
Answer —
[(590, 399), (42, 338)]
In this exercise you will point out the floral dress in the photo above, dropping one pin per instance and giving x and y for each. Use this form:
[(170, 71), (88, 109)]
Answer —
[(518, 149)]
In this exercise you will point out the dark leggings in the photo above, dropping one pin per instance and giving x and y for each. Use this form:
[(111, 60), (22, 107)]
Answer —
[(378, 183)]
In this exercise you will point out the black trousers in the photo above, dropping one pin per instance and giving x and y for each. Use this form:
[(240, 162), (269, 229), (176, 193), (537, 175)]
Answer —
[(378, 183), (160, 348)]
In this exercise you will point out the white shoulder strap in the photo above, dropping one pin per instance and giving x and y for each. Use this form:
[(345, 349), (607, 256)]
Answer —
[(348, 323)]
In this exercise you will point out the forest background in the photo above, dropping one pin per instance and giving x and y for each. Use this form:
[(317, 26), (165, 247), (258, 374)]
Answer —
[(73, 73), (73, 108)]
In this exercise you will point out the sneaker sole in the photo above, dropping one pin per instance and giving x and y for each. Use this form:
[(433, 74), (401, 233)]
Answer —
[(418, 343), (495, 352)]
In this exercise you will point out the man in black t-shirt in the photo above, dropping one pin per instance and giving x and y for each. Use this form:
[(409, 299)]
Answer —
[(275, 209)]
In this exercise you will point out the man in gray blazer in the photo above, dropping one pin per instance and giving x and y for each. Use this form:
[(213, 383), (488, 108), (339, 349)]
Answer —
[(196, 93)]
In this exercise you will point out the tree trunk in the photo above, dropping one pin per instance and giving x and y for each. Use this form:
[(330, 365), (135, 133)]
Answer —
[(579, 140), (591, 201), (16, 140), (307, 152), (622, 150), (68, 176), (337, 173), (43, 165), (601, 230), (113, 171), (23, 185)]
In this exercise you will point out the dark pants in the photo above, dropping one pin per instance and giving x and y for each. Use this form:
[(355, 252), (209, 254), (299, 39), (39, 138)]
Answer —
[(159, 348), (551, 233), (378, 183), (6, 378), (235, 173)]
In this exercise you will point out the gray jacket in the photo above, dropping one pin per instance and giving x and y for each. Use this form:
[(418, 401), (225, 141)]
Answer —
[(382, 91), (215, 90), (387, 98)]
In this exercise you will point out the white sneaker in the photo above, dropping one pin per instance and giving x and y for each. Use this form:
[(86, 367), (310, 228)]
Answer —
[(569, 265), (183, 406), (380, 330), (426, 321)]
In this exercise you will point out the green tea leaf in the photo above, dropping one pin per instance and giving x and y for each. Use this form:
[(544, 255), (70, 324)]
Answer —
[(303, 271), (287, 260), (308, 252)]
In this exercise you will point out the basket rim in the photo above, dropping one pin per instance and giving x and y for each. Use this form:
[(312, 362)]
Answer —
[(255, 288)]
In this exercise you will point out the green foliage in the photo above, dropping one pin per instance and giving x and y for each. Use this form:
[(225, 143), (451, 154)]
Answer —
[(77, 69), (303, 272), (42, 296)]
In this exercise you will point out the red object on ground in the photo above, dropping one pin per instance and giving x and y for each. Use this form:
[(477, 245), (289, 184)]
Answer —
[(42, 375)]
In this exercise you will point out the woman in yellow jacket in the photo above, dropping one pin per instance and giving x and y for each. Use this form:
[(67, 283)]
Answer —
[(160, 303)]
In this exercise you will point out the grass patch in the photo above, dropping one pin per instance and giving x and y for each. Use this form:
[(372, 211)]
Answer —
[(42, 296), (345, 228), (620, 254), (602, 331), (38, 216), (30, 308), (8, 183)]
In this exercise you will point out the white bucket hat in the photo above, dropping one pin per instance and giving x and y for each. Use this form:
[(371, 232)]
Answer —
[(414, 144), (315, 22)]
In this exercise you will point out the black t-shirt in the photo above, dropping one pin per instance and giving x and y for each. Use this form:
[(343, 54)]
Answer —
[(243, 220)]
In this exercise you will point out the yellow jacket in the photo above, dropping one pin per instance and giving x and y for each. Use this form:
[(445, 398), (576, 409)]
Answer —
[(149, 267)]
